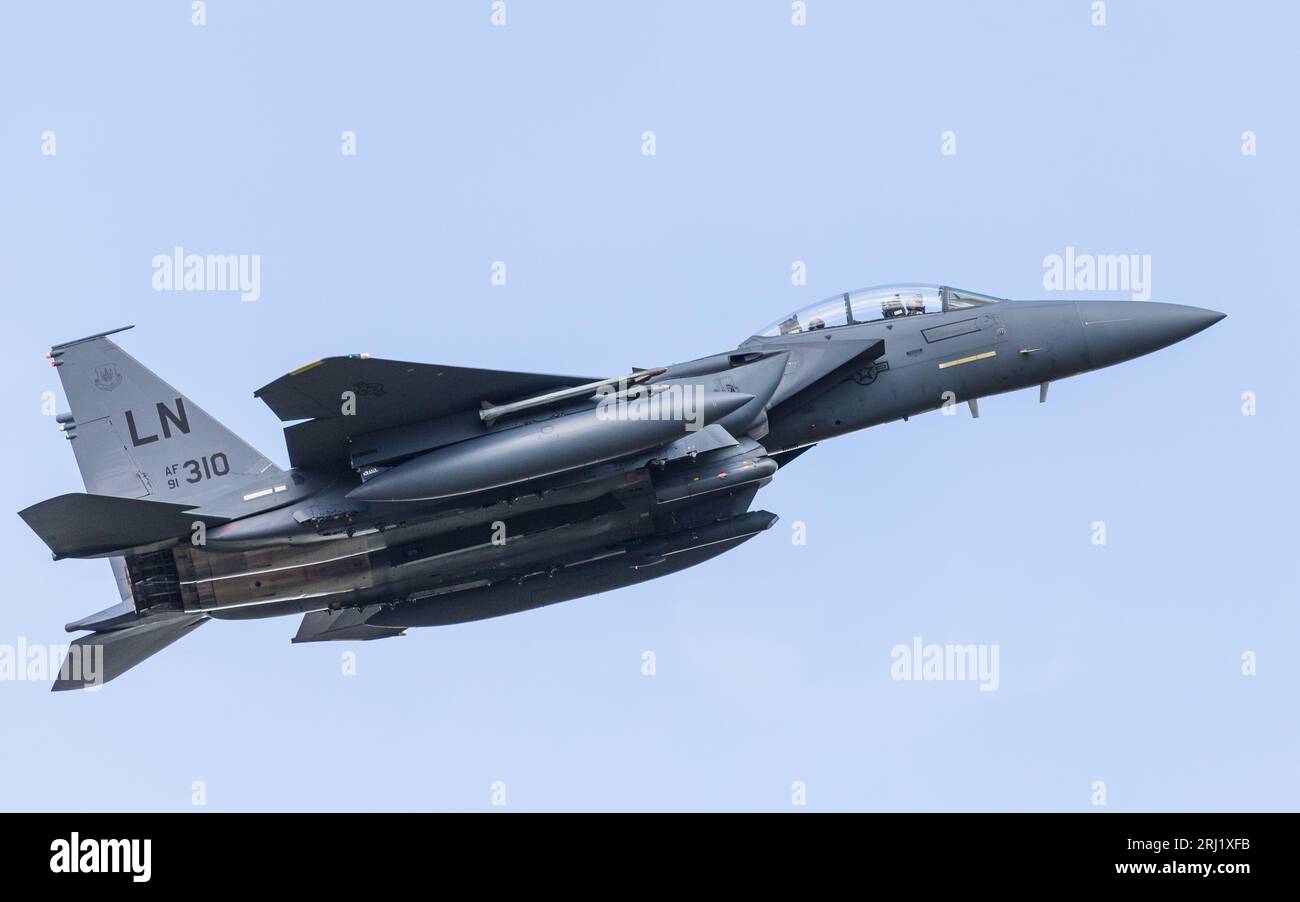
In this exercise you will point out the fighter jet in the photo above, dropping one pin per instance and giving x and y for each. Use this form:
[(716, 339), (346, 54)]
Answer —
[(424, 495)]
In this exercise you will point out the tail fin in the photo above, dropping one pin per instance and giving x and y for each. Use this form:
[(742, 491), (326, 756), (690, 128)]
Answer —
[(135, 436)]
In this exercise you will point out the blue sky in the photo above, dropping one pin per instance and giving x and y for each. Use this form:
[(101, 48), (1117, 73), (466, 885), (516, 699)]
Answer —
[(774, 143)]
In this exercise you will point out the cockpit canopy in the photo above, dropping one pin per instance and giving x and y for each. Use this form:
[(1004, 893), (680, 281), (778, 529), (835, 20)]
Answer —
[(871, 304)]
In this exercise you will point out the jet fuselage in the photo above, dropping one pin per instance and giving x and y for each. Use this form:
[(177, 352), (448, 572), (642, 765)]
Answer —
[(423, 495), (929, 361)]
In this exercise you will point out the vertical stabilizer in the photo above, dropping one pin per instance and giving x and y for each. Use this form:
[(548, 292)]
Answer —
[(135, 436)]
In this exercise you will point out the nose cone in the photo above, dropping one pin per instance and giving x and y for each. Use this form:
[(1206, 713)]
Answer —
[(1121, 330)]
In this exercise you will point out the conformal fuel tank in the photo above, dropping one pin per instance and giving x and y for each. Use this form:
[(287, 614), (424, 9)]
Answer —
[(607, 431)]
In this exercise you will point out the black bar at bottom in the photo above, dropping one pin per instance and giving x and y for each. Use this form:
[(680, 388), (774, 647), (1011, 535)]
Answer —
[(331, 851)]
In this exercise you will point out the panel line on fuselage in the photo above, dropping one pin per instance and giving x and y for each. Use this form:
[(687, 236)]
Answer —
[(213, 579)]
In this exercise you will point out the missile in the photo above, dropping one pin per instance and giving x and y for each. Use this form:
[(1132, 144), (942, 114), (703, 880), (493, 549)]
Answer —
[(493, 412), (612, 429)]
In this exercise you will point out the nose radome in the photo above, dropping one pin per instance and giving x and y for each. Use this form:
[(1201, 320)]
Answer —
[(1122, 330)]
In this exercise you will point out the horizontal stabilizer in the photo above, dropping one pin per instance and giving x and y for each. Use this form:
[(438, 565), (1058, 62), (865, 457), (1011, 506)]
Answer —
[(81, 525), (119, 615), (95, 659), (347, 625)]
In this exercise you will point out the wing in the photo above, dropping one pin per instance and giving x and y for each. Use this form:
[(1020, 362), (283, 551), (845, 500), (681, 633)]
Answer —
[(387, 393)]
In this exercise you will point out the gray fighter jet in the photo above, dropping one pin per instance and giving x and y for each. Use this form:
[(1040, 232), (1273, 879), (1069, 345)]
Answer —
[(423, 495)]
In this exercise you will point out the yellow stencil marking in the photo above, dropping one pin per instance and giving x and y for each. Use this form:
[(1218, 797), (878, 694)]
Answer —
[(984, 356)]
